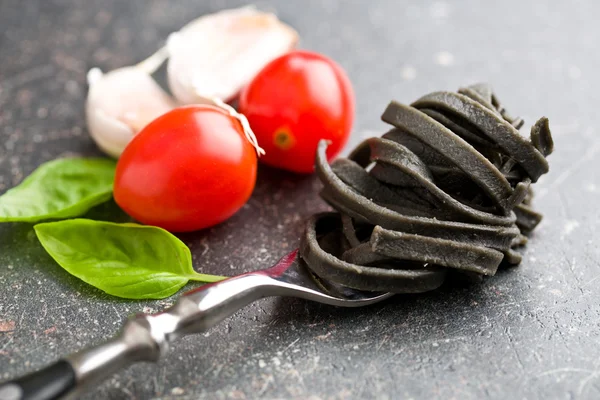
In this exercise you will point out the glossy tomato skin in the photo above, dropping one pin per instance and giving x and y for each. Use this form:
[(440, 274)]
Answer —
[(189, 169), (296, 100)]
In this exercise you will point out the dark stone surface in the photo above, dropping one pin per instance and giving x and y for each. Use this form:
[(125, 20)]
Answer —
[(530, 332)]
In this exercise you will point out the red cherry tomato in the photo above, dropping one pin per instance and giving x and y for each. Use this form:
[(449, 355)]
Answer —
[(189, 169), (296, 100)]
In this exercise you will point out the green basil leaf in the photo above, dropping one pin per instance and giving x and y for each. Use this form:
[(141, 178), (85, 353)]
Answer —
[(58, 189), (125, 260)]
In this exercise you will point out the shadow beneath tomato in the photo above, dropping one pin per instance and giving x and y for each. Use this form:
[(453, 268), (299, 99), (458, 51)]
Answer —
[(278, 186), (267, 173)]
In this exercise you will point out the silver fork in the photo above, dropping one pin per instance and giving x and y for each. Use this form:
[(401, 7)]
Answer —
[(146, 337)]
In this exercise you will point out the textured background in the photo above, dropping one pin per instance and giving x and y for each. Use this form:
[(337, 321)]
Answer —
[(530, 332)]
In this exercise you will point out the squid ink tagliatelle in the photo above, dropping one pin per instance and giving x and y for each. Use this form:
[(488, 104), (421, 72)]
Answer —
[(447, 189)]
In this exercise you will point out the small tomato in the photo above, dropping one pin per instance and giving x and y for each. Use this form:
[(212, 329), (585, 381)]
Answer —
[(295, 101), (189, 169)]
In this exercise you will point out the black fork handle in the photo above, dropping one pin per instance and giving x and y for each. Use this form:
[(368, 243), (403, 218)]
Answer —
[(49, 383)]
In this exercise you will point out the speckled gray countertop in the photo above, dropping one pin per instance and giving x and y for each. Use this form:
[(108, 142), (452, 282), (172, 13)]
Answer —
[(530, 332)]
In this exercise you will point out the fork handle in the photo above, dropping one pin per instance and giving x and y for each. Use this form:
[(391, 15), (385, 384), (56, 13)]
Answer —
[(143, 338), (147, 337), (49, 383), (84, 368)]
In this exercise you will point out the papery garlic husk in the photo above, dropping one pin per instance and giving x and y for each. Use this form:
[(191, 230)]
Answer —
[(121, 103), (216, 55)]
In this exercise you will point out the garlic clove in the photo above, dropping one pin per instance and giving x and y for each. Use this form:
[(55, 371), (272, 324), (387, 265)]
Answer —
[(218, 54), (121, 103)]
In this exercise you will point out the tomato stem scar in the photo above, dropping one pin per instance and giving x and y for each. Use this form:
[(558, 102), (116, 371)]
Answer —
[(283, 139)]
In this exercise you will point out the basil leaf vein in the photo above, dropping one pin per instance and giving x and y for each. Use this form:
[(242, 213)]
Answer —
[(58, 189), (125, 260)]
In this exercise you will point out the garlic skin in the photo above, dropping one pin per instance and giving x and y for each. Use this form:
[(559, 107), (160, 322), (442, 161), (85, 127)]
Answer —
[(216, 55), (121, 103)]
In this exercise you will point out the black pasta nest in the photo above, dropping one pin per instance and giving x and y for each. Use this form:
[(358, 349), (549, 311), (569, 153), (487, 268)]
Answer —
[(447, 189)]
